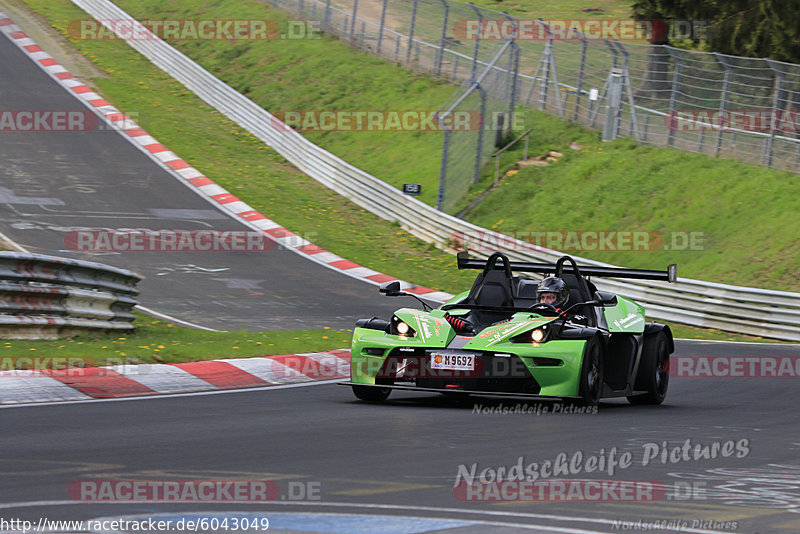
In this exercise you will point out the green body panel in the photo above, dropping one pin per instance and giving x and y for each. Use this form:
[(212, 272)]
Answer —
[(457, 298), (433, 331), (558, 381), (626, 317)]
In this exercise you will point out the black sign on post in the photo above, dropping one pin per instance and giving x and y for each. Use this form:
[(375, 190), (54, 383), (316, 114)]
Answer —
[(412, 189)]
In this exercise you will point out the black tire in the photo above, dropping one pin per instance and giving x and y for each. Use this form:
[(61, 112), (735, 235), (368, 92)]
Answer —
[(653, 375), (370, 394), (590, 385)]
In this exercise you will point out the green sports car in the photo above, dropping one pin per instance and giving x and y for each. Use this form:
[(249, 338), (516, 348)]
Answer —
[(514, 336)]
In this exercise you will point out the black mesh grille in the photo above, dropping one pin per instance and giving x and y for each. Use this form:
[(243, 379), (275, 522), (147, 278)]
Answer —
[(492, 373)]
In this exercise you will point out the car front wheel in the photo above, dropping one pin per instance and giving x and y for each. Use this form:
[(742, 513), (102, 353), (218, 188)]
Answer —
[(591, 380)]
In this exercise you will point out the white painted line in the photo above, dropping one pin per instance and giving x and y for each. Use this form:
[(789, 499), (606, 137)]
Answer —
[(178, 395), (25, 386), (91, 95), (55, 69), (294, 241), (267, 369), (265, 224), (72, 82), (361, 272), (212, 190), (162, 378), (166, 156), (238, 207), (341, 365), (171, 319), (778, 343), (190, 172), (326, 257), (144, 140)]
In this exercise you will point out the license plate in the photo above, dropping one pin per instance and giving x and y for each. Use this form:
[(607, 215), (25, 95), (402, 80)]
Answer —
[(452, 362)]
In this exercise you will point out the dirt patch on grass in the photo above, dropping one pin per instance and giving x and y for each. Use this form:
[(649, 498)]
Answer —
[(51, 41)]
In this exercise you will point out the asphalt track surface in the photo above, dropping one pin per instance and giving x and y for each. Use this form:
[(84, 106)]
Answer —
[(52, 183), (342, 465), (401, 458)]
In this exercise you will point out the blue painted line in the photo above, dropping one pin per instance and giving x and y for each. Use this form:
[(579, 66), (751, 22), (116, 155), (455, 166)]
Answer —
[(361, 523), (323, 523)]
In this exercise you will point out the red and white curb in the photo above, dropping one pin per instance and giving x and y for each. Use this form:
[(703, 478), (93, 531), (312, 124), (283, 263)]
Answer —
[(193, 178), (32, 386)]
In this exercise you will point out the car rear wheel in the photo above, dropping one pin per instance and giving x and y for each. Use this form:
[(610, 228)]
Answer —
[(371, 394), (591, 380), (653, 375)]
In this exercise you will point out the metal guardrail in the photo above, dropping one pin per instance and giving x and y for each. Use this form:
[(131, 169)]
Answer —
[(758, 312), (46, 296)]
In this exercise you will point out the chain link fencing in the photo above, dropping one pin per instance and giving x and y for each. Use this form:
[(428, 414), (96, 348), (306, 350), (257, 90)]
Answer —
[(710, 103)]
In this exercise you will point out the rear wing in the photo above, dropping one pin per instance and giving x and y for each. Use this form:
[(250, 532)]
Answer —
[(563, 266)]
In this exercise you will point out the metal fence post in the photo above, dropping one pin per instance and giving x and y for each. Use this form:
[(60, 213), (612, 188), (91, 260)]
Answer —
[(676, 76), (328, 14), (581, 70), (380, 29), (722, 104), (646, 123), (626, 80), (440, 50), (354, 19), (476, 48), (769, 142), (513, 73), (613, 105), (545, 66), (443, 169), (411, 30), (548, 66), (479, 152)]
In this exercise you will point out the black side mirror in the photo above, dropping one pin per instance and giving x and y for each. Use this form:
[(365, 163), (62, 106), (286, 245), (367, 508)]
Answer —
[(606, 299), (391, 289)]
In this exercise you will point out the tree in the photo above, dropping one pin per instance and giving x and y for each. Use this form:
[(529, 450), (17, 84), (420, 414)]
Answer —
[(752, 28)]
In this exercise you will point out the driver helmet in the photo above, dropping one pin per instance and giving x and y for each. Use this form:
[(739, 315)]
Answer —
[(553, 290)]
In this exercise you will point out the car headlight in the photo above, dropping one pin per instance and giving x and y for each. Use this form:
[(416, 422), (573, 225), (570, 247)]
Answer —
[(540, 334), (401, 328)]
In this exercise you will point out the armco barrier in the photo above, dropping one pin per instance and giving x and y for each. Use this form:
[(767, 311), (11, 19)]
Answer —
[(45, 296), (758, 312)]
